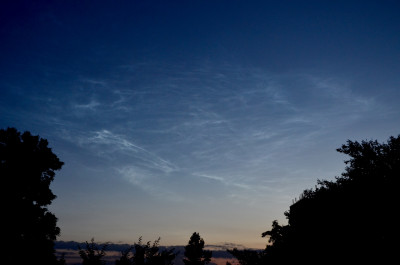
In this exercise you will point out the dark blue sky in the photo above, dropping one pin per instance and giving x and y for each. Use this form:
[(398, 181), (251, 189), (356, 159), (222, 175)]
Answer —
[(208, 116)]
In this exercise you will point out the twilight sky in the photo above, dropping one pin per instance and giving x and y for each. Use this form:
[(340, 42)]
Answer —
[(209, 116)]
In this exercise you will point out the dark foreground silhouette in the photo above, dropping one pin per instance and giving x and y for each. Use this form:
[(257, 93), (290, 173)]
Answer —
[(352, 220), (27, 168)]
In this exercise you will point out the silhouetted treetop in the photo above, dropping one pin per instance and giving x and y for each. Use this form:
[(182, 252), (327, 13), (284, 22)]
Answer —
[(376, 161), (27, 168), (195, 253)]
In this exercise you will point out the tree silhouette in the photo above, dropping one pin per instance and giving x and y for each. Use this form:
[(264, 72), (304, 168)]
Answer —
[(350, 220), (146, 254), (92, 254), (27, 168), (195, 253)]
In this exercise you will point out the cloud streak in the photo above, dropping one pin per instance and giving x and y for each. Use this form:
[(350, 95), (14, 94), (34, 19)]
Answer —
[(117, 143), (226, 124)]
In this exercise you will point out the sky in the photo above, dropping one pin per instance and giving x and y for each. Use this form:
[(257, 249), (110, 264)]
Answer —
[(174, 117)]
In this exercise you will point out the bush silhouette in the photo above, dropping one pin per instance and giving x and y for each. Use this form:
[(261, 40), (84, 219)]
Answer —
[(27, 168)]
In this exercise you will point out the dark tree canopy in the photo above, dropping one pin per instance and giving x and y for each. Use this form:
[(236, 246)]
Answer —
[(27, 168), (247, 256), (351, 220), (195, 253)]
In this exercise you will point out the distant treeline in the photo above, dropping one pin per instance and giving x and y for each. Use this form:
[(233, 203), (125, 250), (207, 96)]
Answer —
[(73, 245)]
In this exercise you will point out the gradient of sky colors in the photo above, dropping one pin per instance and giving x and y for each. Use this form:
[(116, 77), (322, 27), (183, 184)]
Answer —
[(208, 116)]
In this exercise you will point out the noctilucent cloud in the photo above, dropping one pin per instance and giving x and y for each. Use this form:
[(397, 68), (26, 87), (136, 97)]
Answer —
[(209, 116)]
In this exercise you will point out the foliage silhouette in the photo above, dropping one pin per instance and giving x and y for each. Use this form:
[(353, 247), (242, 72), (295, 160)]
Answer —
[(27, 169), (126, 258), (92, 254), (349, 220), (247, 256), (146, 254), (195, 253)]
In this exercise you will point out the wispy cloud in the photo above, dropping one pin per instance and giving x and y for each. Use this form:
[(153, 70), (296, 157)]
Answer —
[(149, 181), (230, 182), (220, 179), (117, 143), (92, 105), (97, 82), (232, 125)]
